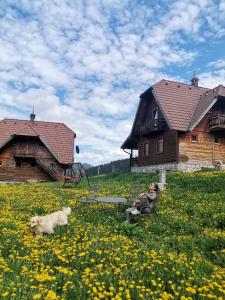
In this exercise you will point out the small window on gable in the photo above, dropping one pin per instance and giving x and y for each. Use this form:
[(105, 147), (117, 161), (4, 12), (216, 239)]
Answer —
[(159, 145), (146, 149), (216, 140), (194, 138), (155, 114)]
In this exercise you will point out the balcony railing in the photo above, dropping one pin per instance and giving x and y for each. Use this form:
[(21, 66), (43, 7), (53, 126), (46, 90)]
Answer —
[(152, 127), (217, 122), (24, 151)]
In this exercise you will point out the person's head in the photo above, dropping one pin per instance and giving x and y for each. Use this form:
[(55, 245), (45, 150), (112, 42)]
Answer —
[(153, 187)]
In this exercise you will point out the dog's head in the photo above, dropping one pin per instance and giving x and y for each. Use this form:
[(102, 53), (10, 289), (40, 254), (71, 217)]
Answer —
[(67, 210), (34, 222)]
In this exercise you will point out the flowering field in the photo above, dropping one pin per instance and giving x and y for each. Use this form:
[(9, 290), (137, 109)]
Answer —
[(179, 253)]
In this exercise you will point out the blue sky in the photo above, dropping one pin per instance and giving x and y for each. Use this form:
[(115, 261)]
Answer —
[(85, 63)]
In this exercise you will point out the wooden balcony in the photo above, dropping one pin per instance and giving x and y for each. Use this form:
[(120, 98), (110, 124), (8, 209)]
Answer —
[(217, 123), (152, 127), (24, 151)]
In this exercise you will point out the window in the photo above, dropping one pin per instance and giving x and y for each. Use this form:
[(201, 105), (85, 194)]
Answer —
[(146, 149), (159, 145), (33, 163), (216, 140), (155, 118), (18, 163), (194, 138), (155, 114)]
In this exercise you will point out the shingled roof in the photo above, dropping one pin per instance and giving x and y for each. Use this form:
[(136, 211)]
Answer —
[(178, 102), (57, 137), (183, 105), (206, 101)]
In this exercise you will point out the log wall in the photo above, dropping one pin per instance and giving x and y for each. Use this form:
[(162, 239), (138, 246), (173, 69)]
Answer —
[(37, 163), (204, 150)]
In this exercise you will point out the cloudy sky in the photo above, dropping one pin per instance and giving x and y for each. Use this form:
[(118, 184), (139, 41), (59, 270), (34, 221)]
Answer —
[(85, 63)]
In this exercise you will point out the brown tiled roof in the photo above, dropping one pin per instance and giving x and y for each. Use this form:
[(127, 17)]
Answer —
[(205, 101), (182, 105), (57, 137), (177, 101)]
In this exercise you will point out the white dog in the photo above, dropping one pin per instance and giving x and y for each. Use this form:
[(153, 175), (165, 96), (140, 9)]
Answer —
[(46, 224)]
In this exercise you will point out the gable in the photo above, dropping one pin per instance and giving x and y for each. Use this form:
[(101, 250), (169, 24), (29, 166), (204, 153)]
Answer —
[(205, 103), (181, 105), (178, 101), (147, 106), (57, 137)]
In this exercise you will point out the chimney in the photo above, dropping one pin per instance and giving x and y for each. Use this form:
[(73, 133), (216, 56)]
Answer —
[(194, 80), (32, 116)]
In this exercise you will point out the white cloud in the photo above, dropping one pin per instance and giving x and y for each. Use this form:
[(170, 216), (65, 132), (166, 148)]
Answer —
[(102, 54), (213, 78), (218, 64)]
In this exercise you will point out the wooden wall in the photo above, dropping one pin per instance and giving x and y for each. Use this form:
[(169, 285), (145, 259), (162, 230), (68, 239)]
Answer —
[(28, 150), (145, 112), (170, 149), (149, 109), (205, 150), (24, 173)]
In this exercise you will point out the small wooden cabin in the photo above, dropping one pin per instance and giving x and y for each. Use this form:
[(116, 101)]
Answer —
[(178, 127), (35, 150)]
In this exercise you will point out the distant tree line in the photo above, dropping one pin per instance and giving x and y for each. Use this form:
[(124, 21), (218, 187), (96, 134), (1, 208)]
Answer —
[(117, 166)]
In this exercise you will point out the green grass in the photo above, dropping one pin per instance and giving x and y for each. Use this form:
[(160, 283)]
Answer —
[(178, 253)]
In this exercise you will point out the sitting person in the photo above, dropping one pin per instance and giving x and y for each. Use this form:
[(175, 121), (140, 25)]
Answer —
[(145, 202)]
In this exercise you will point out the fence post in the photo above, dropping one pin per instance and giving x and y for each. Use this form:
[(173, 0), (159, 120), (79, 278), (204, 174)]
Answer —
[(162, 179)]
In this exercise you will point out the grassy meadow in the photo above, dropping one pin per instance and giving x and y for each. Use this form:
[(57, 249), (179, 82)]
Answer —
[(179, 253)]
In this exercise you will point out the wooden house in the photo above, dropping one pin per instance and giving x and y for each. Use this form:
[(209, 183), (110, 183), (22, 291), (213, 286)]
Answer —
[(178, 127), (35, 150)]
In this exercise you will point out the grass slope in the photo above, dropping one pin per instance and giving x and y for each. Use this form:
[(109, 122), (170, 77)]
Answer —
[(179, 253)]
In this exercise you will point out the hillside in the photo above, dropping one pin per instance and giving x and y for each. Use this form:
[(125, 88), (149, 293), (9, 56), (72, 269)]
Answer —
[(179, 253)]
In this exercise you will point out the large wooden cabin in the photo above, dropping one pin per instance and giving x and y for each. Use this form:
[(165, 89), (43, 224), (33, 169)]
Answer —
[(34, 150), (178, 127)]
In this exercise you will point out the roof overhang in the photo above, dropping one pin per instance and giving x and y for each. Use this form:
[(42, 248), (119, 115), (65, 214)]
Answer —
[(203, 114), (158, 103), (130, 143), (12, 137), (6, 141), (50, 150), (41, 139)]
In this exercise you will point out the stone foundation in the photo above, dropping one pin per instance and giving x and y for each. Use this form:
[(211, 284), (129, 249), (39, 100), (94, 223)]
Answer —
[(184, 167)]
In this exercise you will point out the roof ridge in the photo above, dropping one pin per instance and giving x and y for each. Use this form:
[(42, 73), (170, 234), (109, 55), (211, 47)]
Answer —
[(202, 87), (213, 90), (221, 87), (57, 137), (157, 82), (36, 121), (33, 129)]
